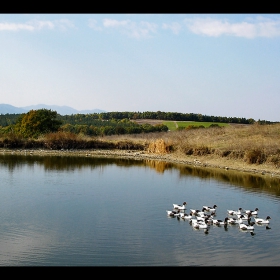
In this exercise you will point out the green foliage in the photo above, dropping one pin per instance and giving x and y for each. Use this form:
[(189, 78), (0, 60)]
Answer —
[(37, 122), (113, 126), (174, 116), (8, 119)]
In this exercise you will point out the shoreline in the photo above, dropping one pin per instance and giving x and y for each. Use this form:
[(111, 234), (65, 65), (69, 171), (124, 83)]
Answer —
[(198, 161)]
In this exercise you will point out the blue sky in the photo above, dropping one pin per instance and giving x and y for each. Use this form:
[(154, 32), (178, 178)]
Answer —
[(211, 64)]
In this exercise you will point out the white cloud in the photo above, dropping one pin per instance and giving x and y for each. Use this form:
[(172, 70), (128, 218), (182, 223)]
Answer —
[(15, 26), (62, 24), (130, 28), (261, 27), (116, 23), (174, 26), (92, 23)]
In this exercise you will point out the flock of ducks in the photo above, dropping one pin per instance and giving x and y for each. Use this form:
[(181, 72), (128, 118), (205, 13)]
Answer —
[(204, 218)]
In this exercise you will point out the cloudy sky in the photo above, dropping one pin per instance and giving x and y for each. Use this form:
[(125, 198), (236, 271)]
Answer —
[(211, 64)]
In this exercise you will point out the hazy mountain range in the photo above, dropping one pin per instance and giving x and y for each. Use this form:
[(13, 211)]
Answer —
[(62, 110)]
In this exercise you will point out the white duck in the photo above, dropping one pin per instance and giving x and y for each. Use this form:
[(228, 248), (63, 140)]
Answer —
[(241, 219), (194, 211), (262, 221), (244, 216), (207, 217), (199, 225), (197, 212), (185, 216), (250, 226), (253, 212), (210, 209), (201, 213), (172, 213), (180, 207), (235, 212), (233, 221), (201, 218), (220, 222)]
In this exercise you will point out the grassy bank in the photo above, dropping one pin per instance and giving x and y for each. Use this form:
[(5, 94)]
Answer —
[(253, 148)]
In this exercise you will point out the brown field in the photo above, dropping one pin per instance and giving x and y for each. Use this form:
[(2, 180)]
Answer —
[(148, 121)]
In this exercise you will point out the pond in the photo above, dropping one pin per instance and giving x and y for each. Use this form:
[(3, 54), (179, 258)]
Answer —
[(74, 211)]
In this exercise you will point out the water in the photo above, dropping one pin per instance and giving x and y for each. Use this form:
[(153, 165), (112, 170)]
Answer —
[(66, 211)]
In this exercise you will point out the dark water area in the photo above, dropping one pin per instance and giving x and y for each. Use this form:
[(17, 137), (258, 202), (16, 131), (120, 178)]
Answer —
[(75, 211)]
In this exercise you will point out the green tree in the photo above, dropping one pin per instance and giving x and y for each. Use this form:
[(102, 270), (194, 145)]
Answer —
[(37, 122)]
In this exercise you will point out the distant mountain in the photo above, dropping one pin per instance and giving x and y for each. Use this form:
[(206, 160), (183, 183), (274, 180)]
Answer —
[(9, 109), (62, 110)]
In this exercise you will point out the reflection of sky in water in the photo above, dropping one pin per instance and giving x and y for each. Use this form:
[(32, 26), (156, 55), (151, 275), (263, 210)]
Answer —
[(24, 247), (113, 214)]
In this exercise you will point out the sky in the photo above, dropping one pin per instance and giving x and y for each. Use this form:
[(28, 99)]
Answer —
[(211, 64)]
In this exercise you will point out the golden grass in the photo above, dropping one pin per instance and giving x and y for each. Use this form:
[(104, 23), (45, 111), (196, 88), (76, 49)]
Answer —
[(249, 144)]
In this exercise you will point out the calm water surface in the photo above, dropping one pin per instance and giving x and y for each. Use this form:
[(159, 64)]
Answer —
[(64, 211)]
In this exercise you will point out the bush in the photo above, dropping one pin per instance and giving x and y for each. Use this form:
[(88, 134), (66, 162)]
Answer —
[(200, 151), (254, 156), (37, 122)]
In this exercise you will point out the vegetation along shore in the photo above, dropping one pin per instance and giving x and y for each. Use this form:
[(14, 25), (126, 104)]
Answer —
[(253, 147)]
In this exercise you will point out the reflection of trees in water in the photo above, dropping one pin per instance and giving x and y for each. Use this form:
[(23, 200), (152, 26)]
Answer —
[(247, 181), (64, 162), (15, 162)]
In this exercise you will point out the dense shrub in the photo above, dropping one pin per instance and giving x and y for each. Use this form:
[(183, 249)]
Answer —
[(254, 156)]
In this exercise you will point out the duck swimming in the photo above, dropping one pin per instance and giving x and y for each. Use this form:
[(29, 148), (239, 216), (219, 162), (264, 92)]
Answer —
[(210, 209), (262, 221), (235, 212), (180, 207), (241, 219), (185, 216), (172, 213), (201, 213), (244, 216), (250, 226), (253, 212), (199, 225), (220, 222), (233, 221), (194, 211)]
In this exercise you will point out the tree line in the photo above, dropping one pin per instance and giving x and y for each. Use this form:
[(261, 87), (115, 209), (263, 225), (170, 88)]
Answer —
[(174, 116), (7, 119), (38, 122)]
